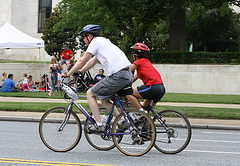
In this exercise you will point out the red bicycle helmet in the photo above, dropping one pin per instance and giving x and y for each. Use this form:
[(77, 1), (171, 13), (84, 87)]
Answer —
[(140, 50)]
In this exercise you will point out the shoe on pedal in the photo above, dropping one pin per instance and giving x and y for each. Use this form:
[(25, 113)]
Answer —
[(101, 128), (122, 127)]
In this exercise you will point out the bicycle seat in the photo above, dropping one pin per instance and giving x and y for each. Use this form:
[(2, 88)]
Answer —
[(127, 90)]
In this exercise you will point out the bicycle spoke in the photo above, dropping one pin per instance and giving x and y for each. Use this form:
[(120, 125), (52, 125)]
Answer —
[(64, 139), (173, 132), (142, 134)]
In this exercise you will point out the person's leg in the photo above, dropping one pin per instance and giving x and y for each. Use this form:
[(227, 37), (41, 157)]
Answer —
[(58, 82), (108, 105), (52, 80), (68, 63), (147, 102), (92, 101), (54, 84), (134, 98)]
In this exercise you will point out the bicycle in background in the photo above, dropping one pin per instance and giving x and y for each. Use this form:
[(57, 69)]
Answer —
[(172, 127)]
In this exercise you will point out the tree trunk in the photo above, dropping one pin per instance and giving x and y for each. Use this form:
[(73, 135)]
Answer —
[(177, 35)]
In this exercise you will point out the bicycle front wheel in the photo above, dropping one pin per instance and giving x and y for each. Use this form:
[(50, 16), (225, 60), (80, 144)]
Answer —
[(59, 131), (173, 132), (138, 135), (97, 139)]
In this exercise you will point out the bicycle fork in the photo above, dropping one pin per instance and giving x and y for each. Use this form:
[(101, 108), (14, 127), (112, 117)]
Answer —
[(65, 120)]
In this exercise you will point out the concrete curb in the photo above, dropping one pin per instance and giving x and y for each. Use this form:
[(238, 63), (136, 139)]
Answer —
[(194, 126)]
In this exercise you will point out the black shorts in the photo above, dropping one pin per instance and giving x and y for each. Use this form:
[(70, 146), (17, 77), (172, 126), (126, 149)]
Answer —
[(152, 92)]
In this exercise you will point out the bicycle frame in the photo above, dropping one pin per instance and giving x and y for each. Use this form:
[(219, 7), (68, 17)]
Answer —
[(116, 101), (164, 125)]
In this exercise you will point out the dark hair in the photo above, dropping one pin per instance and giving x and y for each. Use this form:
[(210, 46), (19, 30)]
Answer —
[(10, 75), (102, 70)]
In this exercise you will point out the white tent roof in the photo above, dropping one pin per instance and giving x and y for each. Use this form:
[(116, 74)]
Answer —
[(11, 37)]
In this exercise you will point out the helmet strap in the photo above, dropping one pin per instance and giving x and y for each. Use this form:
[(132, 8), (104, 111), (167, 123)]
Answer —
[(89, 41)]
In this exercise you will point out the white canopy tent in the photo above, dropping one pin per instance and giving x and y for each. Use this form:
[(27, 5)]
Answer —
[(11, 37)]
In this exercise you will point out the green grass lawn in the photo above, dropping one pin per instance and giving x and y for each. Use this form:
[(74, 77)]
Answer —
[(34, 95), (201, 98), (168, 97), (190, 112), (34, 107)]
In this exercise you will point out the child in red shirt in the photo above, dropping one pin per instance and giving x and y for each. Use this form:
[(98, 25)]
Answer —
[(153, 85)]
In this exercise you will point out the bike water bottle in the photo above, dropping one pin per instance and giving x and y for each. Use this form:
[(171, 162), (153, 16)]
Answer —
[(104, 119)]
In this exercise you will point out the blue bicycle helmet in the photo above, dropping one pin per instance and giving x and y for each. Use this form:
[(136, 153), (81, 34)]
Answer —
[(94, 30)]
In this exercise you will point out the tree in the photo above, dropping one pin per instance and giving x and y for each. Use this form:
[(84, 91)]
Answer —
[(209, 28), (55, 39), (127, 22)]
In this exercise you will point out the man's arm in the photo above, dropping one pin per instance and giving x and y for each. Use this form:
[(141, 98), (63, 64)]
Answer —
[(80, 63), (92, 62)]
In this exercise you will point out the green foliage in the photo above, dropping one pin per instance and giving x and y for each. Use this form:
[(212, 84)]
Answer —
[(214, 29), (178, 57), (127, 22), (124, 22), (55, 39)]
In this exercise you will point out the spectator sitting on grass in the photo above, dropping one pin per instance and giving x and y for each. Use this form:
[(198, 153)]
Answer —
[(4, 77), (9, 85), (31, 83)]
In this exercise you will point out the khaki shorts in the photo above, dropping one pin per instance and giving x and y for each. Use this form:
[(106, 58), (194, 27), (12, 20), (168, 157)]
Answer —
[(109, 86)]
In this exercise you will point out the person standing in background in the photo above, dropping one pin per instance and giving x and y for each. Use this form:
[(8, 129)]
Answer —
[(24, 82), (59, 73), (53, 70), (66, 55)]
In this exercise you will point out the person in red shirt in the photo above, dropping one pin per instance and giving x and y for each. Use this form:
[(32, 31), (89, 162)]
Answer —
[(66, 55), (153, 85)]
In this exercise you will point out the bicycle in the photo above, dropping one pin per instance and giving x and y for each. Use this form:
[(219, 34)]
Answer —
[(60, 128), (173, 130), (84, 81)]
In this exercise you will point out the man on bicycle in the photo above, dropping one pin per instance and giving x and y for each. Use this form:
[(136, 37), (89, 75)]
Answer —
[(113, 60), (153, 87)]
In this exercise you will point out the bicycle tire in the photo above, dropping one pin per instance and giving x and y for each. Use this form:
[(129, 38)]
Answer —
[(177, 134), (140, 139), (60, 140), (97, 139)]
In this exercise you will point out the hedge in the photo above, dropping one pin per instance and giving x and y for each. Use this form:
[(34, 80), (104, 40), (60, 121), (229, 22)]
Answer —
[(195, 57)]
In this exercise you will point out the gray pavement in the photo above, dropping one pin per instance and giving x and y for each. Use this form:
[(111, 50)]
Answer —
[(196, 123)]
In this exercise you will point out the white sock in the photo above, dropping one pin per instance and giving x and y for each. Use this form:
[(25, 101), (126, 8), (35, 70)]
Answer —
[(141, 109), (120, 121), (99, 124)]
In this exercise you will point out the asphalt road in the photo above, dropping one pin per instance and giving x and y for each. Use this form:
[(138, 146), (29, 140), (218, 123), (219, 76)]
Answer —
[(20, 145)]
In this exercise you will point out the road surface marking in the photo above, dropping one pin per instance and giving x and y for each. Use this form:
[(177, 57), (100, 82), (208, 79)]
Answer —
[(217, 152), (38, 162)]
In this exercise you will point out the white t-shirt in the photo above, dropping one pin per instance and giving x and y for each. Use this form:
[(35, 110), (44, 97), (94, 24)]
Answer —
[(109, 55)]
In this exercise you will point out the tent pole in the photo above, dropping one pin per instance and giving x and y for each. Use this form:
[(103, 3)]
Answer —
[(40, 61), (45, 66)]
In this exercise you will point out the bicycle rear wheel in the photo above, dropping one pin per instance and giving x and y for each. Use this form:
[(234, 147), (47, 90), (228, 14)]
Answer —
[(173, 132), (59, 133), (98, 139), (139, 137)]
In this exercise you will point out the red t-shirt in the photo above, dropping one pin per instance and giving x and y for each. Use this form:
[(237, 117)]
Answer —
[(64, 54), (147, 73)]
